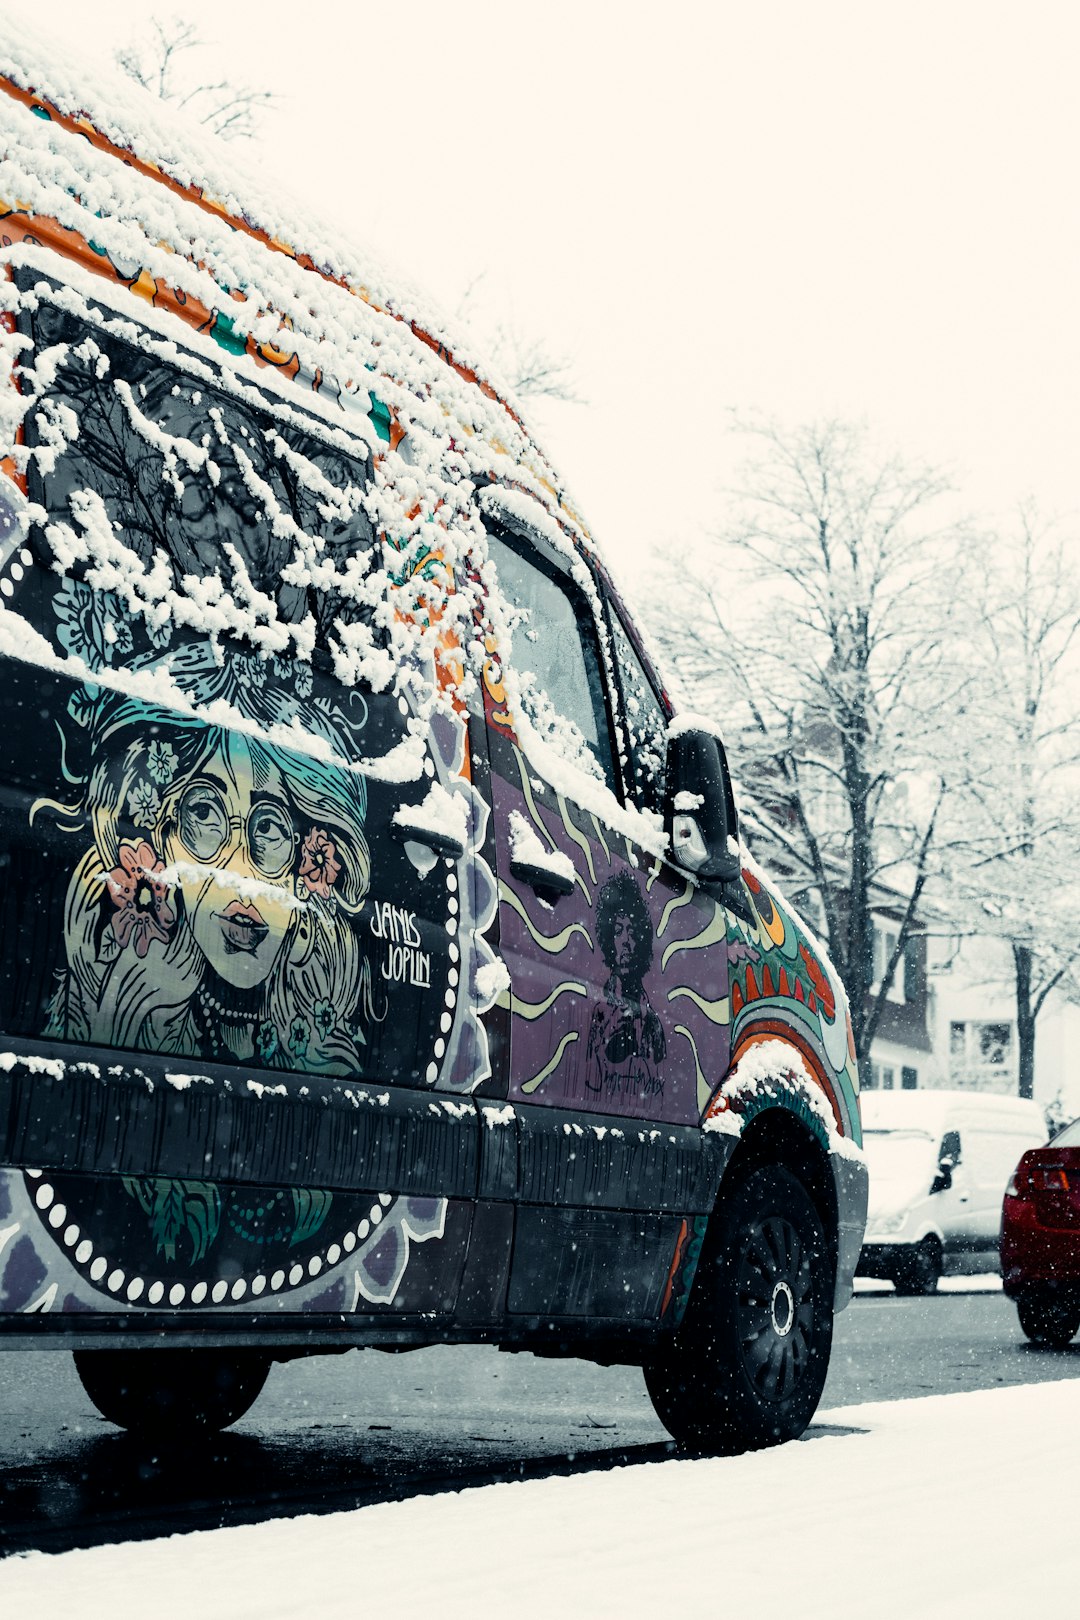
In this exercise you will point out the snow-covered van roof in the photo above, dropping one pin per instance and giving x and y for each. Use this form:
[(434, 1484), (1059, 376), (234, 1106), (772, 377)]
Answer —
[(157, 192), (208, 208), (933, 1111), (134, 228)]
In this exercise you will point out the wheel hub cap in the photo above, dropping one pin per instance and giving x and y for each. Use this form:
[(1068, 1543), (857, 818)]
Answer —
[(782, 1310), (775, 1309)]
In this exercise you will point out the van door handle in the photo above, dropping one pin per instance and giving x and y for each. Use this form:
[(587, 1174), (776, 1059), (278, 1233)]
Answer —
[(542, 877), (438, 839)]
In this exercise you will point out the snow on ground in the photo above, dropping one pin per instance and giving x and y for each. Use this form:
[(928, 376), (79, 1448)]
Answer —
[(958, 1506), (983, 1282)]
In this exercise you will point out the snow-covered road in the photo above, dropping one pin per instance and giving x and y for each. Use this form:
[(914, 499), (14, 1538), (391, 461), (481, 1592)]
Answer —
[(961, 1506)]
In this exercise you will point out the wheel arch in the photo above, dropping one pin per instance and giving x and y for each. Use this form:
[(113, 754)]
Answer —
[(778, 1134), (777, 1103)]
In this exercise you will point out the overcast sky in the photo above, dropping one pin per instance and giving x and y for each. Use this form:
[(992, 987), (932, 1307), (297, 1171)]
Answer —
[(862, 209)]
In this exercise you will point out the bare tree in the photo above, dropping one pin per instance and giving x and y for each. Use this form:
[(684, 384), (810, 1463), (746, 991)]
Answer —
[(532, 369), (161, 62), (1019, 874), (835, 677)]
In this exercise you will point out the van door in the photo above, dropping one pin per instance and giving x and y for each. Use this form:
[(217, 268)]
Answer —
[(235, 997), (618, 968)]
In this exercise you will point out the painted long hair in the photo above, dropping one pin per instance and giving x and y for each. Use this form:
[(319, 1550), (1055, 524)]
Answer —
[(131, 980), (621, 897)]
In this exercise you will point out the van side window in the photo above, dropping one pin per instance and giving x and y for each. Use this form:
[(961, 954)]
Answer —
[(183, 469), (950, 1148), (646, 724), (556, 657)]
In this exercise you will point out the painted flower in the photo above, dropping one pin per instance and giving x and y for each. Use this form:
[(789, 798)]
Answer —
[(143, 912), (117, 633), (161, 762), (159, 631), (266, 1041), (144, 802), (250, 672), (319, 866), (294, 672), (325, 1018), (299, 1035), (81, 615)]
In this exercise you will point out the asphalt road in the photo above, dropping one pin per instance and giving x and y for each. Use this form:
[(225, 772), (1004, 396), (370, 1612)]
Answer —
[(337, 1432)]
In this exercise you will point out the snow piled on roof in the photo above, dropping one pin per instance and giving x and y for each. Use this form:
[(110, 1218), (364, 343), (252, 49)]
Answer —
[(135, 210), (444, 436), (132, 119), (927, 1110)]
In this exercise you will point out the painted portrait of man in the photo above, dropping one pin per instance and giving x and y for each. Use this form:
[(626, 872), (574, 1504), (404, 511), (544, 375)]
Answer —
[(626, 1038)]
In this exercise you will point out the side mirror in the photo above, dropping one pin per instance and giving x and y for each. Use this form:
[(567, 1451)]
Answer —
[(948, 1159), (950, 1150), (699, 810)]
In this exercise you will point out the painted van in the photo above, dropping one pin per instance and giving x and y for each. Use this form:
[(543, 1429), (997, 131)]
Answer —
[(380, 963)]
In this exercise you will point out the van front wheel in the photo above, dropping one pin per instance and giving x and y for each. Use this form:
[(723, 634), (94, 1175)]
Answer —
[(747, 1366), (172, 1392)]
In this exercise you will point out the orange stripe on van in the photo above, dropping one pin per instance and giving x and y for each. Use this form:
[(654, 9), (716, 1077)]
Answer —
[(81, 125), (772, 1029)]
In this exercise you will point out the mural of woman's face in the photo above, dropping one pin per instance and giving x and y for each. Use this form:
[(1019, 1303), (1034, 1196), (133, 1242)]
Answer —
[(239, 910)]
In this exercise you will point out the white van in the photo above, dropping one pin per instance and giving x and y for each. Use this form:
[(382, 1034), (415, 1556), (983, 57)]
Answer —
[(939, 1163)]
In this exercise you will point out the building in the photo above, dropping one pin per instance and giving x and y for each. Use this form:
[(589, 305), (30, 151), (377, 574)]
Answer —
[(902, 1054), (972, 1019)]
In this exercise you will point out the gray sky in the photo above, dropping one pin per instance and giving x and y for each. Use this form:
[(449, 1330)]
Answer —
[(853, 208)]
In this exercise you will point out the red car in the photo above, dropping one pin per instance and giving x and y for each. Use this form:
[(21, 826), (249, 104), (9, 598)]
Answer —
[(1040, 1239)]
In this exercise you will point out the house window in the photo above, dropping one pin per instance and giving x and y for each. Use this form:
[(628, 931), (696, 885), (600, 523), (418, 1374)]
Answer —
[(882, 1077), (909, 1079), (980, 1047), (886, 939), (995, 1043)]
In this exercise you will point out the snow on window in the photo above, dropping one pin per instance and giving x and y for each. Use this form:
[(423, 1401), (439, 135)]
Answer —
[(557, 666), (646, 724)]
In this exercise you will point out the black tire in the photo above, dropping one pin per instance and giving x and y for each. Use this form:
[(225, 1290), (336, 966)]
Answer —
[(165, 1393), (919, 1272), (1048, 1319), (747, 1366)]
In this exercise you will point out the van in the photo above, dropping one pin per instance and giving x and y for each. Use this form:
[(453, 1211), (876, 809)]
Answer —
[(939, 1163), (381, 965)]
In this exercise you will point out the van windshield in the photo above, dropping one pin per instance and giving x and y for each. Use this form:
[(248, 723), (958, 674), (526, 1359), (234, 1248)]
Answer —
[(900, 1159)]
